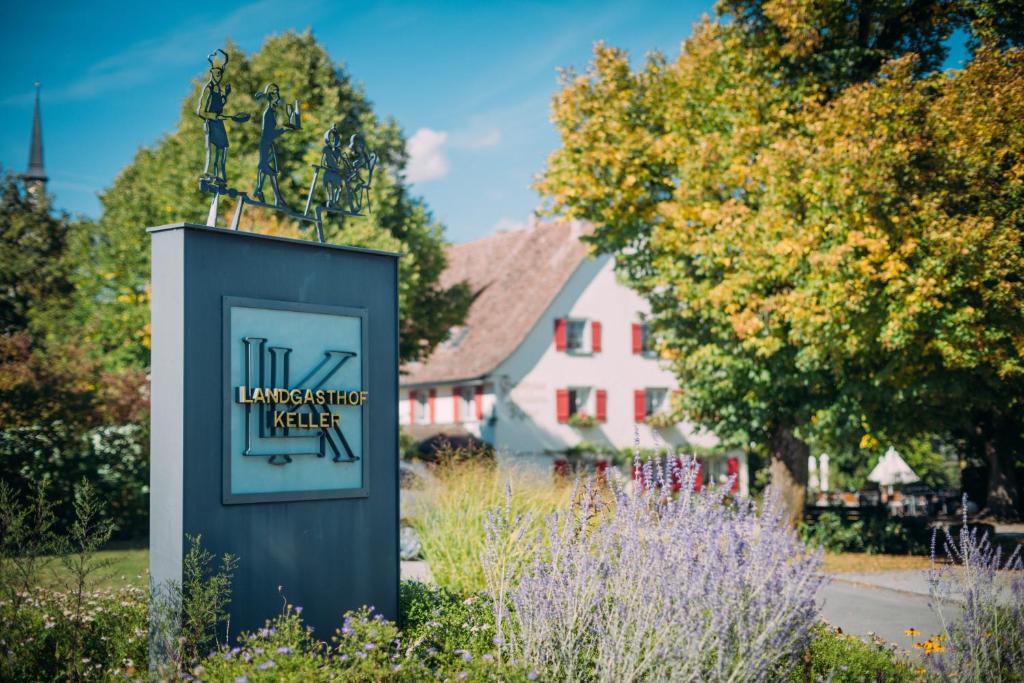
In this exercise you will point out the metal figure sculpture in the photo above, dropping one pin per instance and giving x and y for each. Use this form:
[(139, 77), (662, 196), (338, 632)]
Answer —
[(346, 175), (360, 165), (346, 172), (212, 101), (268, 165)]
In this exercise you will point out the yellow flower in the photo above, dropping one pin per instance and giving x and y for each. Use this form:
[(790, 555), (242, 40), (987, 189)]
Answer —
[(912, 632)]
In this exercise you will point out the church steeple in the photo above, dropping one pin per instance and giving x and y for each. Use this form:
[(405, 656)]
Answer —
[(35, 176)]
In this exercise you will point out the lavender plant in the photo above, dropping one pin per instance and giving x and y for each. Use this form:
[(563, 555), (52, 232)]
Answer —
[(634, 583), (985, 642)]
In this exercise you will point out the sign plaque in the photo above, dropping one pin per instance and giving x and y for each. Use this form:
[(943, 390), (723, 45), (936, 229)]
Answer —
[(274, 419)]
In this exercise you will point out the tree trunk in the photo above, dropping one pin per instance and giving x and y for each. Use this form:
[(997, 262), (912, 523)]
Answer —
[(788, 470), (1003, 493)]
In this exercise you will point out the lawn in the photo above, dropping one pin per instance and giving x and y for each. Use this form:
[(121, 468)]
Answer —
[(840, 563), (127, 566)]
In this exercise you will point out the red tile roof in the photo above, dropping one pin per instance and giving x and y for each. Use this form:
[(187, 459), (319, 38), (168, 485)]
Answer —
[(514, 276)]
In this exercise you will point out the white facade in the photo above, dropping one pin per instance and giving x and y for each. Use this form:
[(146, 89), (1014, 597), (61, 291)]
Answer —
[(516, 406)]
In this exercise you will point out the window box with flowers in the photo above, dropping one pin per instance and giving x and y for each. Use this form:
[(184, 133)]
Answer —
[(582, 421), (662, 420)]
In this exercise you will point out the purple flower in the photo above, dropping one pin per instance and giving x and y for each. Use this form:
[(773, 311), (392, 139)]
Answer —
[(284, 650), (488, 657), (462, 675), (298, 609), (360, 654), (269, 664), (532, 676), (241, 679), (343, 658), (369, 646)]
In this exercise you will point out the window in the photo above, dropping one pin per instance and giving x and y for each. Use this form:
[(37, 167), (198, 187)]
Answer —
[(419, 407), (646, 339), (579, 401), (575, 331), (654, 401), (648, 402), (466, 407), (456, 336), (643, 340)]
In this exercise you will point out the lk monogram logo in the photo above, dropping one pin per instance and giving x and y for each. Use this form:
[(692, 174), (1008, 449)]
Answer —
[(284, 418)]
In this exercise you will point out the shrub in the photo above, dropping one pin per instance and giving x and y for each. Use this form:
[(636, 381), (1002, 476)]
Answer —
[(986, 641), (114, 460), (445, 620), (871, 534), (637, 584), (449, 518), (367, 647), (840, 658)]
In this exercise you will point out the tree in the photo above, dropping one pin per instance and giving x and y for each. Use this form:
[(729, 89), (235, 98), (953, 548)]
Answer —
[(674, 163), (159, 187), (905, 201), (34, 268)]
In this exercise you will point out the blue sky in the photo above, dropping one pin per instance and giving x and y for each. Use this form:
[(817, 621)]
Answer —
[(469, 82)]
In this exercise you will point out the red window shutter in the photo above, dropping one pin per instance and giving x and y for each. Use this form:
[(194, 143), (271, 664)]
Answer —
[(412, 407), (639, 405), (732, 469), (478, 400), (595, 337), (456, 400), (562, 405), (561, 335), (602, 405), (698, 482), (638, 338), (432, 405)]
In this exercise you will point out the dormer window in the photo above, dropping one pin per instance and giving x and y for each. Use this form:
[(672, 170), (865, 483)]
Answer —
[(456, 336)]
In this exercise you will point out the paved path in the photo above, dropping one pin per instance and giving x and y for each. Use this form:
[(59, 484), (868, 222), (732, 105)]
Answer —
[(861, 609)]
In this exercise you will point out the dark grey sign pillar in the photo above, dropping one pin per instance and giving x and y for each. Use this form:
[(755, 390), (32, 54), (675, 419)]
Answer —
[(307, 502)]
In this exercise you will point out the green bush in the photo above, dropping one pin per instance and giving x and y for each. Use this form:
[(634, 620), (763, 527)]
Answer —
[(871, 534), (114, 460), (834, 656), (367, 647), (445, 620)]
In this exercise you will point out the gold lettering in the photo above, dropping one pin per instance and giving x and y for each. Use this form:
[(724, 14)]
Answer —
[(335, 420), (308, 398), (353, 398), (241, 395), (278, 419), (363, 395), (290, 419), (257, 395), (320, 396), (295, 396)]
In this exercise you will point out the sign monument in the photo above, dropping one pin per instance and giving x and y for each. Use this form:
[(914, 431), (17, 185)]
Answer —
[(275, 379)]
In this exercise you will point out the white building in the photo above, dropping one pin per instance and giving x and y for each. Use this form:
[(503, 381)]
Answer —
[(554, 352)]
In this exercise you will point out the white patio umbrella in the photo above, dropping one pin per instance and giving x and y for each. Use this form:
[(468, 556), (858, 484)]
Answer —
[(892, 470)]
